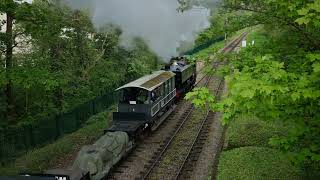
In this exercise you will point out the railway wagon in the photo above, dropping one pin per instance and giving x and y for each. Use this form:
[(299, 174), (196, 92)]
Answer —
[(144, 103)]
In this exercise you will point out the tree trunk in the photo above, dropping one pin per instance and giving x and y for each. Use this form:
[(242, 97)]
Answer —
[(79, 43), (56, 68), (9, 66)]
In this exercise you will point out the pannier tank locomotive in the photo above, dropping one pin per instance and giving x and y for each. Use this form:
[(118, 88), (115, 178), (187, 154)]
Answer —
[(147, 101)]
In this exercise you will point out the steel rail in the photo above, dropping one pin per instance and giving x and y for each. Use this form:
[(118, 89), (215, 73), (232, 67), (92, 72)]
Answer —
[(157, 160), (197, 136), (179, 173), (232, 45)]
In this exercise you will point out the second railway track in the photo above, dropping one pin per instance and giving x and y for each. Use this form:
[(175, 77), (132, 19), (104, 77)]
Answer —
[(148, 160), (186, 168), (176, 149)]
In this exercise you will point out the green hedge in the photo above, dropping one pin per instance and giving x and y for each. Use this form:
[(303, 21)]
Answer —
[(256, 163)]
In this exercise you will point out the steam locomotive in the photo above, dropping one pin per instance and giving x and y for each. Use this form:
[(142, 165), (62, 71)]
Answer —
[(147, 101)]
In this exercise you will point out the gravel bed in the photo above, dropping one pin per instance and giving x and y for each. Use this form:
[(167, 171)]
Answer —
[(131, 166), (174, 156), (203, 167)]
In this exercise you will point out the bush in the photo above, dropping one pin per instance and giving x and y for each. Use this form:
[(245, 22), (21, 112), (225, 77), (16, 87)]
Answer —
[(256, 163), (250, 131)]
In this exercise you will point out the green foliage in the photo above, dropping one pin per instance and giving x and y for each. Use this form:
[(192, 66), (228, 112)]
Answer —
[(62, 61), (46, 157), (250, 131), (200, 97), (246, 138), (277, 79), (299, 16), (272, 89), (206, 53), (256, 163), (225, 23), (310, 14)]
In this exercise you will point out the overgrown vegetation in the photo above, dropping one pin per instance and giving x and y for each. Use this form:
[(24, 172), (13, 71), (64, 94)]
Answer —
[(247, 154), (250, 131), (256, 163), (53, 59), (277, 79), (54, 62), (60, 151)]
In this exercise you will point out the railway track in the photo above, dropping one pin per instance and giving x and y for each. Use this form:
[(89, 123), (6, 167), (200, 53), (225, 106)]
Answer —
[(152, 150), (191, 150), (186, 169), (152, 145), (156, 159), (230, 47)]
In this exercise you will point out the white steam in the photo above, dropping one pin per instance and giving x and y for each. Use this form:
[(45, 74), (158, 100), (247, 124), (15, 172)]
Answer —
[(156, 21)]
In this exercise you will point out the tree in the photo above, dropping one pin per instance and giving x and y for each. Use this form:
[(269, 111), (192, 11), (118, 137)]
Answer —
[(292, 14), (58, 60), (278, 78), (10, 9)]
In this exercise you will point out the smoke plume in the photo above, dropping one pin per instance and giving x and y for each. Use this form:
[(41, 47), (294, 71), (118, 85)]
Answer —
[(158, 22)]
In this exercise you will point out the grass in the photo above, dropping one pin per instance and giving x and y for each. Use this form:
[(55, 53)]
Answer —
[(206, 53), (48, 156), (250, 131), (248, 154), (256, 163)]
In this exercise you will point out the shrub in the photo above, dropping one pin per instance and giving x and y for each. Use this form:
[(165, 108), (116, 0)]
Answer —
[(250, 131), (256, 163)]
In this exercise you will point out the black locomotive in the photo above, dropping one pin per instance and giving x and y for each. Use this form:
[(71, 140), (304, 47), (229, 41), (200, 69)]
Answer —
[(147, 101), (186, 74)]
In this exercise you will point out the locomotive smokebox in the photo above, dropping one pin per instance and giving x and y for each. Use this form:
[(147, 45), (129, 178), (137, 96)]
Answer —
[(167, 67)]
